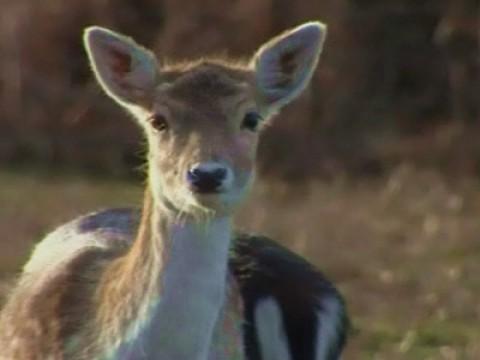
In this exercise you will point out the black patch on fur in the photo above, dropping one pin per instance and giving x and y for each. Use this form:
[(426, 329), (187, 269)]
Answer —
[(265, 269)]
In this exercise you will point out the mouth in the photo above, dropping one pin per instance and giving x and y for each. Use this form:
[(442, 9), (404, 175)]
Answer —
[(212, 199), (207, 190)]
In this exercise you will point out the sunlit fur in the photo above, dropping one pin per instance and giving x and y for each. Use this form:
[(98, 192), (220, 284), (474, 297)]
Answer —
[(156, 285)]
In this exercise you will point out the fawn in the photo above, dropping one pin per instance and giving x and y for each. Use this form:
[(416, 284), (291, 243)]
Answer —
[(173, 280)]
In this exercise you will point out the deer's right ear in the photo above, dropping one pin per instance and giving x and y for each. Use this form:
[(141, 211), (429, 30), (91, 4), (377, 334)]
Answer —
[(125, 70)]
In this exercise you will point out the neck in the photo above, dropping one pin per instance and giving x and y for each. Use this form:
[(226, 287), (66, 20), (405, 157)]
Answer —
[(166, 293)]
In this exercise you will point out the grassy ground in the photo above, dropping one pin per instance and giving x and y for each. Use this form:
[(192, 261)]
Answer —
[(404, 250)]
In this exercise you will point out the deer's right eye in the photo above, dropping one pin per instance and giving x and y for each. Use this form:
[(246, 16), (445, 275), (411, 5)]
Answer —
[(251, 121), (158, 122)]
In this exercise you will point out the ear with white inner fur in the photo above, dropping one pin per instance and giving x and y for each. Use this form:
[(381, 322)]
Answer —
[(284, 65), (125, 70)]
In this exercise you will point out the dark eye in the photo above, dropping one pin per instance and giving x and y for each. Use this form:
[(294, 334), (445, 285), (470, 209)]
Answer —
[(158, 122), (251, 121)]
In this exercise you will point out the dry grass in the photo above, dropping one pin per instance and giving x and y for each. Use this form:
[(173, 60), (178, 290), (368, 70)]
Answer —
[(404, 250)]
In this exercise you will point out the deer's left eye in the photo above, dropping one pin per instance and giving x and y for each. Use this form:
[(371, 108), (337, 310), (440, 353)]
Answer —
[(251, 121), (158, 122)]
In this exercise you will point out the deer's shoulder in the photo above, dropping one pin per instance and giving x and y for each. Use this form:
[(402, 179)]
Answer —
[(50, 297), (109, 229)]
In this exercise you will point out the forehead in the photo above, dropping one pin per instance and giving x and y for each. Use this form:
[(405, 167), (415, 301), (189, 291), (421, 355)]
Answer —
[(205, 84)]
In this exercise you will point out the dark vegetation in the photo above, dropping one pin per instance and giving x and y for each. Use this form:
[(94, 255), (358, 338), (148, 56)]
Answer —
[(399, 81)]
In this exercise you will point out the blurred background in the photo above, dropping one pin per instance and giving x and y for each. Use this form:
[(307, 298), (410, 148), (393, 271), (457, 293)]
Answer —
[(373, 174)]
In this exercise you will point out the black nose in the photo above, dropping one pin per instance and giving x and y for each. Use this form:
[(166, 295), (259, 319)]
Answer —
[(206, 181)]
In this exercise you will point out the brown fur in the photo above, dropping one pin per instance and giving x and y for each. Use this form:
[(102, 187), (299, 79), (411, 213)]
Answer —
[(91, 301), (40, 317), (96, 290), (129, 280), (94, 297), (85, 304)]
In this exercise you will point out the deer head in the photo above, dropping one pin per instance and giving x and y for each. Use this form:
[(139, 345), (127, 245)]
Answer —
[(203, 119)]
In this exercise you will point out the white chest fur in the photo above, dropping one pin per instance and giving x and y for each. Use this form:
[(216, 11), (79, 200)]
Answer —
[(192, 317)]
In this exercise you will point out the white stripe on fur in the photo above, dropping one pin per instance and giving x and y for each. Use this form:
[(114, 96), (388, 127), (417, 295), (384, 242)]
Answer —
[(329, 320), (271, 332)]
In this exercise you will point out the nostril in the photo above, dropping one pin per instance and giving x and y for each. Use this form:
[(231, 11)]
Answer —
[(219, 174), (194, 174)]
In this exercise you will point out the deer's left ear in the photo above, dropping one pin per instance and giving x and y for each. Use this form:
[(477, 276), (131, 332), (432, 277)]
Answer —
[(284, 66), (125, 70)]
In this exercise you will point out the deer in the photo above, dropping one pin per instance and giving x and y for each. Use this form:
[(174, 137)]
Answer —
[(173, 280)]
